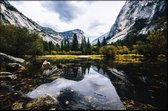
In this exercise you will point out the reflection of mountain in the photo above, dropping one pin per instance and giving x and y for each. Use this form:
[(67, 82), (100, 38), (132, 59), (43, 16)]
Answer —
[(112, 73), (93, 85)]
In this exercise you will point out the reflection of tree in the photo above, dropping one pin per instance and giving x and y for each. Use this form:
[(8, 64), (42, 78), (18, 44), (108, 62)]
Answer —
[(98, 68), (75, 71), (104, 72), (88, 70)]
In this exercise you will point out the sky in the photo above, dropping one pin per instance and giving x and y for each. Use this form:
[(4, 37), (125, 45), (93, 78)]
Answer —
[(93, 17)]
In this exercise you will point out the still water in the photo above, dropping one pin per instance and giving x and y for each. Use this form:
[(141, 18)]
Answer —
[(88, 84)]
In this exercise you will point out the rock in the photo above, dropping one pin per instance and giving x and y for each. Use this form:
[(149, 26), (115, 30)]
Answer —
[(52, 72), (16, 66), (43, 102), (61, 66), (14, 59), (17, 106), (46, 65), (7, 75)]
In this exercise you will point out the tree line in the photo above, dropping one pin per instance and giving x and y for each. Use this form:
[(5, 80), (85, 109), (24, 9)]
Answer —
[(19, 41)]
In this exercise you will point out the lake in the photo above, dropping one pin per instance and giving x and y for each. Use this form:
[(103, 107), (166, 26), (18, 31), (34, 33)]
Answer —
[(94, 84)]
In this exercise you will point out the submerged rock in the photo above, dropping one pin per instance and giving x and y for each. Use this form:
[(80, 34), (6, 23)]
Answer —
[(17, 106), (43, 102)]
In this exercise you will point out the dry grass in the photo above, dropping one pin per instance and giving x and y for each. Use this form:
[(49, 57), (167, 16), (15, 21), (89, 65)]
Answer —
[(129, 58), (70, 56), (124, 58)]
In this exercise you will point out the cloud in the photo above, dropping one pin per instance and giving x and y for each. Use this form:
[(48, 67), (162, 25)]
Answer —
[(93, 17), (66, 10), (95, 24)]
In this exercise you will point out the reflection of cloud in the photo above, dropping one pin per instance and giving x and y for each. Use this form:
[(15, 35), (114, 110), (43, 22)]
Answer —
[(93, 85), (67, 12)]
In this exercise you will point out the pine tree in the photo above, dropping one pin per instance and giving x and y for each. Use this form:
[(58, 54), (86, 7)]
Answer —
[(104, 42), (68, 46), (75, 45), (62, 45), (65, 45), (88, 47), (83, 46), (98, 46)]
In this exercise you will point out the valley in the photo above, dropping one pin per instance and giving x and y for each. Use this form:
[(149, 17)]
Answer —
[(43, 68)]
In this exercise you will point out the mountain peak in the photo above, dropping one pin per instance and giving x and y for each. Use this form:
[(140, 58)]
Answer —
[(10, 15), (138, 17)]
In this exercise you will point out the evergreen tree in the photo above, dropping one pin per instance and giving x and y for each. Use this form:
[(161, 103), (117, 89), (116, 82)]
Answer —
[(104, 42), (68, 46), (88, 46), (65, 45), (75, 45), (62, 45), (58, 47), (83, 46), (98, 46)]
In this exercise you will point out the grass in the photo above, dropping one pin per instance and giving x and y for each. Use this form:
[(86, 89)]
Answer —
[(129, 58), (99, 57), (120, 58)]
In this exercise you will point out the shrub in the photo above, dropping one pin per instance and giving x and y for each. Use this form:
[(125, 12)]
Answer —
[(108, 50)]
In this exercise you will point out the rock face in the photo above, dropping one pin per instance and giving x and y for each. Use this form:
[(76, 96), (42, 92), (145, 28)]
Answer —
[(138, 17), (10, 15), (68, 35), (100, 38)]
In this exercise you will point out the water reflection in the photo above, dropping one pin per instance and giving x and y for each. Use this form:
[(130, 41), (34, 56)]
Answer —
[(93, 85), (145, 83), (92, 81)]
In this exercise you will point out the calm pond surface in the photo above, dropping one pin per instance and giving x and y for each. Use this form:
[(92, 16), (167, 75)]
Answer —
[(88, 84)]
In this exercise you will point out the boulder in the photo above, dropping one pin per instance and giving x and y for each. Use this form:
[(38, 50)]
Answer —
[(41, 103), (7, 75), (4, 75), (46, 65), (14, 59), (16, 66), (17, 106)]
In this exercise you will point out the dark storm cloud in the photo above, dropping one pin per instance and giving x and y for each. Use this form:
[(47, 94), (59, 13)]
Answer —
[(67, 12)]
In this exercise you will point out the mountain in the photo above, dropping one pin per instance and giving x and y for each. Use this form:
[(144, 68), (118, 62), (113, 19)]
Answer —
[(94, 42), (68, 35), (138, 17), (10, 15)]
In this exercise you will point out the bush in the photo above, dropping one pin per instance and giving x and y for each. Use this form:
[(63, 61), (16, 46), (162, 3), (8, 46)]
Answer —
[(155, 44), (122, 50), (108, 50), (54, 52)]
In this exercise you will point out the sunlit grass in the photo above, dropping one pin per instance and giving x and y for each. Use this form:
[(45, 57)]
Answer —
[(120, 58), (129, 58), (71, 56)]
